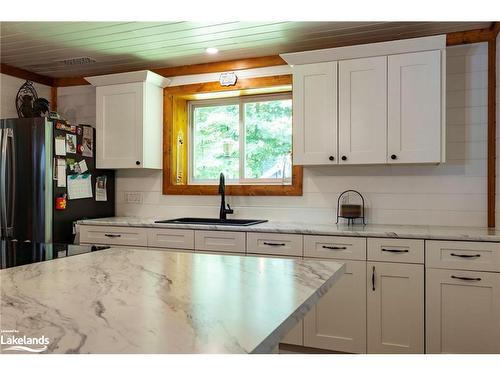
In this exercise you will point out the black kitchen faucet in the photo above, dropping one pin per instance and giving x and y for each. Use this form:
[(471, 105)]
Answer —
[(222, 191)]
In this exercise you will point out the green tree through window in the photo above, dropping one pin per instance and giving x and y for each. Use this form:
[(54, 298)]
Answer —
[(249, 139)]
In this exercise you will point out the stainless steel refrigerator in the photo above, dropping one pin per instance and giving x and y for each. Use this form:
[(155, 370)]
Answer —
[(28, 190)]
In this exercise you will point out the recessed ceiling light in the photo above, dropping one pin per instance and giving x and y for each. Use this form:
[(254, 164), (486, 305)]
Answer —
[(212, 50)]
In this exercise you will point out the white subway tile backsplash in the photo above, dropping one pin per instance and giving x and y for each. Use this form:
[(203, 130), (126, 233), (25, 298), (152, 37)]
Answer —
[(466, 115), (466, 64), (467, 81), (467, 98)]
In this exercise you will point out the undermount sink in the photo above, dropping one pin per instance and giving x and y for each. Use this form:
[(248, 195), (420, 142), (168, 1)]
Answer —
[(209, 221)]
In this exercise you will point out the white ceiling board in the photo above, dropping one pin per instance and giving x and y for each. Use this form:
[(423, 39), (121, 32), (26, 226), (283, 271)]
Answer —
[(122, 46)]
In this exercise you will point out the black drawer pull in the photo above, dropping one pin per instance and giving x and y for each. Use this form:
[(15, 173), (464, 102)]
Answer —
[(465, 255), (395, 250), (373, 278), (112, 235), (334, 247), (274, 244), (466, 278)]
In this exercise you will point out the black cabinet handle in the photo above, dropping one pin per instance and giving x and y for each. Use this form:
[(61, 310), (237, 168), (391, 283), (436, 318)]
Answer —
[(331, 158), (334, 247), (373, 278), (465, 255), (273, 244), (466, 278), (395, 251), (393, 157), (112, 235), (138, 162), (344, 158)]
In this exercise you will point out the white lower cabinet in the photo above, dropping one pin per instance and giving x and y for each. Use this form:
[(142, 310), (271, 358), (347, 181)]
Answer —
[(378, 304), (395, 308), (338, 321), (462, 311)]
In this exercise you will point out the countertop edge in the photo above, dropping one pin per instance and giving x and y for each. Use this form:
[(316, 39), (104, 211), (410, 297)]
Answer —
[(273, 340)]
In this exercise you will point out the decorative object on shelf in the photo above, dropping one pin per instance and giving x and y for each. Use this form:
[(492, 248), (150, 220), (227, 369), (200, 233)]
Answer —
[(351, 211), (28, 104)]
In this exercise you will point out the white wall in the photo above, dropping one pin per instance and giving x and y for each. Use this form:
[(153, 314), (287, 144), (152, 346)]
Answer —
[(450, 194), (9, 86), (77, 104)]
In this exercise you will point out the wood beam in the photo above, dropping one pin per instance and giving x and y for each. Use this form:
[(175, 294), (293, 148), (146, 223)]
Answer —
[(24, 74), (213, 67), (70, 81), (470, 36), (221, 66)]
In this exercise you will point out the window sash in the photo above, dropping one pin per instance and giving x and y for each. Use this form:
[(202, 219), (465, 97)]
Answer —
[(240, 101)]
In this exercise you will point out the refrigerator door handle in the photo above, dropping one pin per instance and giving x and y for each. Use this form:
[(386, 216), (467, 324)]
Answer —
[(12, 188), (3, 162)]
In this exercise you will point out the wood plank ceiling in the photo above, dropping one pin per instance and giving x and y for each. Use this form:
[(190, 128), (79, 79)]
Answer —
[(41, 47)]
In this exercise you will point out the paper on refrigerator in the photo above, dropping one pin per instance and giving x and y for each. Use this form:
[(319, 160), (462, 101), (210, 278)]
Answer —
[(79, 186)]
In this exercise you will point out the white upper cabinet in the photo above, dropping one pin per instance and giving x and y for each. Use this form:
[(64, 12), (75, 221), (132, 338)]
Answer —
[(129, 120), (363, 111), (315, 114), (390, 106), (414, 107)]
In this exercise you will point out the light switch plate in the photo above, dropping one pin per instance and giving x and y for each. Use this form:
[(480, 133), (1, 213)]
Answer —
[(133, 197)]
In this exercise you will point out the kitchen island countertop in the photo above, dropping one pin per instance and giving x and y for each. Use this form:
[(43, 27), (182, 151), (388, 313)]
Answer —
[(132, 301)]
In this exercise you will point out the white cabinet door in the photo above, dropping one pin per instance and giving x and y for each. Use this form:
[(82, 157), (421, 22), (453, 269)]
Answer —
[(119, 126), (414, 107), (315, 114), (463, 311), (363, 111), (395, 308), (338, 321)]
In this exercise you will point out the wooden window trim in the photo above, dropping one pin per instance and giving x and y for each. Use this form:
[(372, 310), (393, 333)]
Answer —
[(173, 94)]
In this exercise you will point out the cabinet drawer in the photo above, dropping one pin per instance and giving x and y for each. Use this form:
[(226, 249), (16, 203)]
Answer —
[(273, 243), (335, 247), (396, 250), (460, 255), (220, 241), (113, 235), (171, 238)]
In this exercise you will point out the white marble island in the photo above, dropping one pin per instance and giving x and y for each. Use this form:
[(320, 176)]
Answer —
[(134, 301)]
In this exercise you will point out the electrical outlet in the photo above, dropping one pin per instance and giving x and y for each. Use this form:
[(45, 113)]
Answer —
[(133, 197)]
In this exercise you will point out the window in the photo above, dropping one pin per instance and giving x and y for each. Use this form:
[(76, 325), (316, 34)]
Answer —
[(252, 146), (249, 139)]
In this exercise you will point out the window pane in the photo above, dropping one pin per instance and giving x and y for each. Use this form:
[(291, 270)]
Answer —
[(216, 142), (268, 139)]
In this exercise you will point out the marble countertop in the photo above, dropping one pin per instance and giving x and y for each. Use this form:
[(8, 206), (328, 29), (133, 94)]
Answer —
[(370, 230), (129, 301)]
